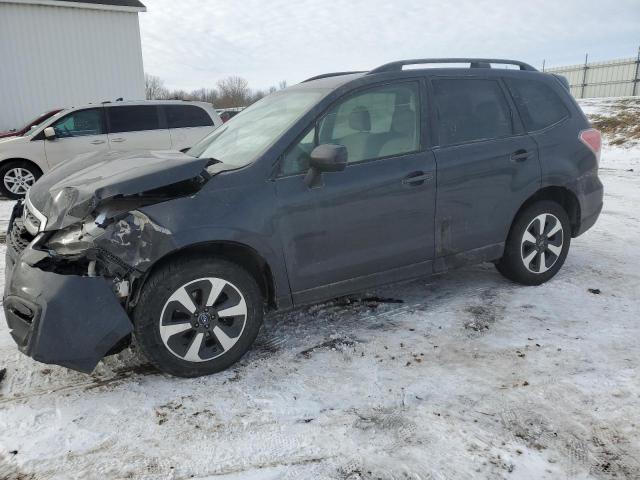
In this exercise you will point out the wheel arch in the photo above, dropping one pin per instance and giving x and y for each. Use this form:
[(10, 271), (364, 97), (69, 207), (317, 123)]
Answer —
[(4, 161), (238, 253), (561, 195)]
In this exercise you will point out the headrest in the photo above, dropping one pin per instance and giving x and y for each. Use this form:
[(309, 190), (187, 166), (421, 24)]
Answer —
[(360, 120)]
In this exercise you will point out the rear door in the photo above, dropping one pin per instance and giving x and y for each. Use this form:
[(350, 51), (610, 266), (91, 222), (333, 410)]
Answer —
[(81, 131), (372, 222), (487, 165), (137, 127), (188, 124)]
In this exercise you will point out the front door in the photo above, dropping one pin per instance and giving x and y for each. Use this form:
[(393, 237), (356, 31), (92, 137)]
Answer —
[(487, 167), (78, 132), (372, 222)]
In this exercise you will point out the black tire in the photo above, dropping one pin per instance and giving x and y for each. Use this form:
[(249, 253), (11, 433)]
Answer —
[(11, 166), (193, 273), (513, 265)]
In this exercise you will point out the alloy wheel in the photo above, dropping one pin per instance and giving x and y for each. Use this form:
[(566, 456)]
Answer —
[(541, 243), (18, 180), (203, 319)]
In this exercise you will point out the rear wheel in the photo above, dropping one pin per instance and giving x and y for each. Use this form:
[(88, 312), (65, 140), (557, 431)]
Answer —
[(537, 245), (198, 316), (16, 177)]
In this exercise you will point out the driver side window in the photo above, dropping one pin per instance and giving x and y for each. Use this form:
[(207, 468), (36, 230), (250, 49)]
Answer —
[(80, 123), (376, 123)]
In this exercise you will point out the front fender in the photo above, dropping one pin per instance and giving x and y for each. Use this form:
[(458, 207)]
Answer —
[(140, 242)]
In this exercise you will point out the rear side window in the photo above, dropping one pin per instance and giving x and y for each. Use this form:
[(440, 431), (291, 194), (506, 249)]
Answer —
[(538, 104), (471, 109), (185, 116), (133, 119)]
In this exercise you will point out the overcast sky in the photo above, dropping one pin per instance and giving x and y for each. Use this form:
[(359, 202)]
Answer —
[(193, 43)]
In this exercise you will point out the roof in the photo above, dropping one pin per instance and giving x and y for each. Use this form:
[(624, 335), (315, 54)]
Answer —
[(120, 5), (331, 81)]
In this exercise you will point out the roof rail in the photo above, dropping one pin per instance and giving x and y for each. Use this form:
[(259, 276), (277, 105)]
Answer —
[(473, 63), (334, 74)]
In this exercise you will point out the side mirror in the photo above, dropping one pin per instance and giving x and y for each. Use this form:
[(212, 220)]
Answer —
[(49, 133), (325, 158)]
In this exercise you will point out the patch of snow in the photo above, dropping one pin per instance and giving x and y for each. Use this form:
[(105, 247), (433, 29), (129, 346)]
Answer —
[(471, 376), (617, 157)]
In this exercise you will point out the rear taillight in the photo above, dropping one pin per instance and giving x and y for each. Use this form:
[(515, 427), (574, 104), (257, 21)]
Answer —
[(592, 139)]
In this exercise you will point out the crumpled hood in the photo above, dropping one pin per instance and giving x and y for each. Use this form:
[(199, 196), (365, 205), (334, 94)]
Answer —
[(71, 191)]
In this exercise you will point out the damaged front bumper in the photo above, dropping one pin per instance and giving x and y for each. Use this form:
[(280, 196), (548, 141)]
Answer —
[(62, 319)]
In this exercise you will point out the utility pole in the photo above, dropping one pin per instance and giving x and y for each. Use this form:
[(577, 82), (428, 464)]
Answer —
[(636, 77), (543, 62), (584, 74)]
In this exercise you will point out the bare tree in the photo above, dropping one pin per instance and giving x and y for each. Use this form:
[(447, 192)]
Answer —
[(178, 94), (233, 92), (209, 95), (154, 87)]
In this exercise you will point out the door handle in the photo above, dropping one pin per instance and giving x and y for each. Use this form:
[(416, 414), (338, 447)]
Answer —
[(417, 178), (97, 142), (118, 140), (520, 155)]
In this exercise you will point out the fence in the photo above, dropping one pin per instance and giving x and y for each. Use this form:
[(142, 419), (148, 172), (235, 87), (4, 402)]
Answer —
[(613, 78)]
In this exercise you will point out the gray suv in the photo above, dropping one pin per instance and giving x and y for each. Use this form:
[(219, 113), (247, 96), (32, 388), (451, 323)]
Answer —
[(344, 182)]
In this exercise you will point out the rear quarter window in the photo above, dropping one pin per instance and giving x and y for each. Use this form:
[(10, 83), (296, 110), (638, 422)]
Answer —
[(539, 105), (185, 116)]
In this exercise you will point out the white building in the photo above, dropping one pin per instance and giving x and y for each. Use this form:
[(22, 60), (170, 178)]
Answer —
[(56, 54)]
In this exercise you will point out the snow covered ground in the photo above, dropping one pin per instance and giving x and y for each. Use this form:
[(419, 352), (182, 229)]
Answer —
[(461, 376)]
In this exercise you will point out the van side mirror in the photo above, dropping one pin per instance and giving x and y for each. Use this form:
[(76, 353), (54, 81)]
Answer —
[(49, 133), (325, 158)]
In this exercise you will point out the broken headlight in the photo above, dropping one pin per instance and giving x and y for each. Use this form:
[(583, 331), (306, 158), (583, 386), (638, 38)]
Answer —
[(74, 239)]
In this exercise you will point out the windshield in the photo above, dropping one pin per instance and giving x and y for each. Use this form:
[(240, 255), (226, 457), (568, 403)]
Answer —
[(242, 139)]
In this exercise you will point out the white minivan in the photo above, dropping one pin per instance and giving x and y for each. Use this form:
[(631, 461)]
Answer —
[(123, 126)]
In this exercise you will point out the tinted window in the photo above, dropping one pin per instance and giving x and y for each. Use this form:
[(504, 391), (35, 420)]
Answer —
[(80, 123), (380, 122), (184, 116), (133, 119), (537, 103), (471, 109)]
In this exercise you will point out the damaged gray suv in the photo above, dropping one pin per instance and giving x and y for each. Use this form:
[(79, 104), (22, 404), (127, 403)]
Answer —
[(341, 183)]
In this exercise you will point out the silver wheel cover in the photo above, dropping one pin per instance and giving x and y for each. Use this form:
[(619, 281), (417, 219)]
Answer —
[(541, 243), (203, 319), (18, 180)]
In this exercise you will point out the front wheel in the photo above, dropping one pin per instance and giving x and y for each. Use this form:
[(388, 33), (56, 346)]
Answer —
[(16, 177), (537, 245), (197, 316)]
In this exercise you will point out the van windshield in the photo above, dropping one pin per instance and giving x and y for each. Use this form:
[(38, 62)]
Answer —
[(37, 126), (246, 136)]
